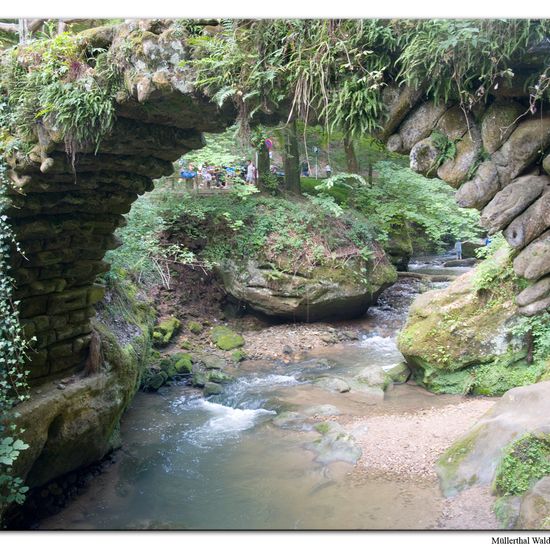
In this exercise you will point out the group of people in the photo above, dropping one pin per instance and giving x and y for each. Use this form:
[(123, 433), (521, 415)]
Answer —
[(209, 176), (305, 170)]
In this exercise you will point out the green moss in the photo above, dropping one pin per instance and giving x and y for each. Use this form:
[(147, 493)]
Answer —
[(226, 339), (238, 355), (195, 327), (499, 376), (184, 363), (524, 462), (219, 377), (505, 512), (449, 463), (323, 428), (164, 331), (186, 344)]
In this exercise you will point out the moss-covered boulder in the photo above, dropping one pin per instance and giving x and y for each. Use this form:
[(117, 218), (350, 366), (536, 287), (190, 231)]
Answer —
[(165, 330), (320, 292), (463, 339), (534, 512), (195, 327), (226, 339), (499, 445)]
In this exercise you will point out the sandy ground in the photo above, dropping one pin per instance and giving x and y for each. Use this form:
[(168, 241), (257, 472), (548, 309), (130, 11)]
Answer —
[(408, 446)]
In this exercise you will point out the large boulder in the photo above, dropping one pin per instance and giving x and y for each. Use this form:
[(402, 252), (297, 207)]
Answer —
[(461, 339), (534, 512), (478, 191), (455, 171), (322, 292), (522, 147), (398, 101), (477, 458), (531, 223), (420, 123)]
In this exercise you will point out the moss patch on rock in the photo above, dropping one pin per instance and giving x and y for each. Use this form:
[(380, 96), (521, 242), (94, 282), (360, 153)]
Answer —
[(226, 339), (165, 330), (463, 339), (524, 462)]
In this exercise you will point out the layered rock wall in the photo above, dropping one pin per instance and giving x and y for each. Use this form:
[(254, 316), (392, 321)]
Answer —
[(501, 167), (65, 213)]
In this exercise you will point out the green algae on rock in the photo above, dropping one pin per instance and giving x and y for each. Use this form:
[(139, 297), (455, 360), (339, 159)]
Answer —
[(226, 339)]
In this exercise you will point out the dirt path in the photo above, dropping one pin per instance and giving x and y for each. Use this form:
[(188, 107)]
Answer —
[(408, 446)]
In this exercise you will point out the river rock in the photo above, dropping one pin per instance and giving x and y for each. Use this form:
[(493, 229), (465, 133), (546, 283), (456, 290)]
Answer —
[(321, 293), (512, 201), (534, 512), (226, 339), (457, 341), (333, 383), (474, 458), (290, 420), (212, 388), (334, 445), (533, 262), (466, 262), (322, 410), (209, 360), (374, 377), (399, 373), (164, 331), (533, 222), (499, 121), (420, 123), (478, 191), (455, 171)]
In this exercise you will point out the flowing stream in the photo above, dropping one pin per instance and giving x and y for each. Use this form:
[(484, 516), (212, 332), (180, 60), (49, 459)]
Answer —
[(252, 458)]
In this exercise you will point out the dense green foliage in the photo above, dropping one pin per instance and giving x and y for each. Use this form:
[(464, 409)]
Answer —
[(335, 70), (13, 348), (401, 196), (65, 82), (294, 233), (525, 461)]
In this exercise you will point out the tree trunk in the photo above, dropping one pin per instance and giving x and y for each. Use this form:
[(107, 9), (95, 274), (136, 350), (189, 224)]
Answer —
[(263, 166), (292, 159), (351, 158)]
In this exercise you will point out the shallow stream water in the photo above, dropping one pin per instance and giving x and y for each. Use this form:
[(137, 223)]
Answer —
[(250, 458)]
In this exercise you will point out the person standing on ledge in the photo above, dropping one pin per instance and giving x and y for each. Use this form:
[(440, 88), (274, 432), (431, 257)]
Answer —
[(458, 250), (328, 170)]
